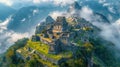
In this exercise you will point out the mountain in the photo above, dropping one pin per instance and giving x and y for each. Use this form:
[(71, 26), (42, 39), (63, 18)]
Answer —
[(66, 42), (77, 8), (49, 19), (5, 12), (27, 18), (24, 18), (104, 10), (74, 6)]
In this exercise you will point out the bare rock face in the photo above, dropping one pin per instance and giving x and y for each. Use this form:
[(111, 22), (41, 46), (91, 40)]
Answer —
[(49, 19)]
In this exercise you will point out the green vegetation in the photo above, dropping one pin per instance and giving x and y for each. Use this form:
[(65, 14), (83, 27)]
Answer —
[(39, 46), (83, 49), (104, 53), (98, 62), (44, 48), (86, 28), (89, 47), (10, 57), (79, 43), (74, 63)]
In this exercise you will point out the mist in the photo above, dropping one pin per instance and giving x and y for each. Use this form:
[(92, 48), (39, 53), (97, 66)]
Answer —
[(8, 37), (109, 31)]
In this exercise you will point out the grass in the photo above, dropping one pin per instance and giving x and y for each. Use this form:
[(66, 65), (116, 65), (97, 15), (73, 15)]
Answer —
[(98, 61), (35, 56), (86, 28), (79, 43), (23, 52), (44, 49)]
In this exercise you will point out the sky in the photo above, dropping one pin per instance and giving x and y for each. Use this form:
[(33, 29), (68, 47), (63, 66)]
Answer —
[(13, 3)]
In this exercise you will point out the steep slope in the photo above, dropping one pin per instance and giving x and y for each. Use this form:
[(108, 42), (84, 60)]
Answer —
[(82, 48), (24, 19), (76, 9), (107, 8), (29, 17), (65, 42)]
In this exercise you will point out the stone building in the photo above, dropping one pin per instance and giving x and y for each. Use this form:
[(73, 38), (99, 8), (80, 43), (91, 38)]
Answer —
[(59, 25), (57, 35)]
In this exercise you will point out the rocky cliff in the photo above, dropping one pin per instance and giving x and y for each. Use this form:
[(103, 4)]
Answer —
[(64, 42)]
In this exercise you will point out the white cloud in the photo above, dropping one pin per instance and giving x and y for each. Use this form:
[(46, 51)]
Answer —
[(7, 2), (102, 1), (21, 3), (8, 37), (35, 11), (36, 1), (106, 4), (3, 25), (63, 2), (16, 36), (23, 19), (109, 32), (86, 13), (111, 9), (55, 2), (110, 17), (55, 14)]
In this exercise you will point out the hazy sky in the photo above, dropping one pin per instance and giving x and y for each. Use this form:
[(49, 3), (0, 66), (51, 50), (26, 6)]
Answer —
[(31, 2)]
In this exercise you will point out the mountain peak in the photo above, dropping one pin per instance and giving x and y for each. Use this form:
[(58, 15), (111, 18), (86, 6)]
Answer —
[(76, 5), (49, 19)]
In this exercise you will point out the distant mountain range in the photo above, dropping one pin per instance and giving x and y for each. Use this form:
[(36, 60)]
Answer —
[(24, 17), (5, 12), (28, 17), (77, 8), (108, 9)]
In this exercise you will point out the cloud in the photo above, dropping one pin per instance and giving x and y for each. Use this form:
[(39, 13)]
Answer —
[(7, 2), (106, 4), (86, 13), (55, 2), (109, 32), (63, 2), (109, 4), (102, 1), (36, 1), (111, 9), (8, 37), (3, 25), (35, 11), (55, 14)]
